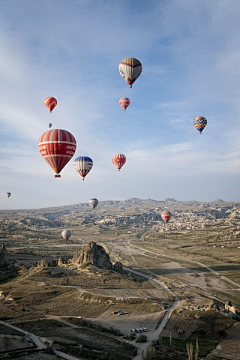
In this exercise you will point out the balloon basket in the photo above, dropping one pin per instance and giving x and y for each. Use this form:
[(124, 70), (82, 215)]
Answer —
[(57, 176)]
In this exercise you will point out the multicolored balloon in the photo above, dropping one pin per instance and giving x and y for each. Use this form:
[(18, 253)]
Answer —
[(8, 194), (124, 102), (93, 203), (166, 216), (130, 69), (50, 103), (57, 147), (83, 164), (119, 160), (200, 123), (66, 234)]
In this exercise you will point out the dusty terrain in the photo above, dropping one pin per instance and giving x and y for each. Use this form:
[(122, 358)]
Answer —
[(69, 306)]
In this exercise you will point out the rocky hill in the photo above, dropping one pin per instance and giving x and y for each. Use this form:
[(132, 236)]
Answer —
[(95, 255), (92, 254)]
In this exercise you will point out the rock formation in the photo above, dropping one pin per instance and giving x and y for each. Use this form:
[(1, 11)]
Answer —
[(3, 260), (3, 247), (118, 267), (43, 263), (92, 254), (96, 255)]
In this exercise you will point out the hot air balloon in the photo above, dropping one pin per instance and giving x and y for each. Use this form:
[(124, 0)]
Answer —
[(66, 234), (166, 216), (119, 160), (49, 125), (130, 69), (93, 203), (8, 194), (200, 123), (83, 164), (124, 102), (57, 147), (50, 103)]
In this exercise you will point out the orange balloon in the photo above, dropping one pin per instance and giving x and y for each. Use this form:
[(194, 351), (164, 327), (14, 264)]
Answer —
[(50, 103)]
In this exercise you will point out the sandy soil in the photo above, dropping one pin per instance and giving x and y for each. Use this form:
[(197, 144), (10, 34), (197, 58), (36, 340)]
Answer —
[(129, 321)]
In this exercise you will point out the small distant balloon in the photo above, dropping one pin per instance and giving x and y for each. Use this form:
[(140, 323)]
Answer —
[(200, 123), (49, 125), (124, 102), (8, 194), (83, 165), (166, 216), (93, 203), (130, 69), (57, 147), (119, 160), (50, 103), (66, 234)]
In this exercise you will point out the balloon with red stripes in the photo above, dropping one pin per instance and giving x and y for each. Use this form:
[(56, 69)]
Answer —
[(57, 147), (166, 216), (124, 102), (119, 160)]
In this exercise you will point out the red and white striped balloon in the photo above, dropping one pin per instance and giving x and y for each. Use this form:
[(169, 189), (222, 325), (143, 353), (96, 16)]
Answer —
[(166, 216), (119, 160), (57, 147), (124, 102)]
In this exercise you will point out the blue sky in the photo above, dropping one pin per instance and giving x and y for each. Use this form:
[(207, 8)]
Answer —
[(71, 49)]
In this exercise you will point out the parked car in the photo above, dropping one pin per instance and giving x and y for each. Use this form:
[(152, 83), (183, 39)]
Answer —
[(133, 330), (137, 330), (145, 329)]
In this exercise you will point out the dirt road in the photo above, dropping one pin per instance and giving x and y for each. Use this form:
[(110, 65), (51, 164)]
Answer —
[(152, 335)]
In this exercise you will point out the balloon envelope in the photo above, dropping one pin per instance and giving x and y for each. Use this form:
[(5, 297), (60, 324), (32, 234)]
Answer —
[(66, 234), (57, 147), (124, 102), (83, 164), (8, 194), (130, 69), (166, 216), (93, 203), (200, 123), (50, 103), (119, 160)]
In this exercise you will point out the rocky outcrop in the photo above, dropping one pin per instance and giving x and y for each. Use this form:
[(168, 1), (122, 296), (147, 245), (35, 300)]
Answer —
[(230, 308), (92, 254), (43, 263), (3, 247), (118, 267), (3, 260)]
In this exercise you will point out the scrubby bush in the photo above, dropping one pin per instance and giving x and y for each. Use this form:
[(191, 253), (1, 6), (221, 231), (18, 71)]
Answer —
[(141, 339)]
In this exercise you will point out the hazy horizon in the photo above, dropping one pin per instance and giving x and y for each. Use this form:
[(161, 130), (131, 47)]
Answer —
[(122, 200)]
